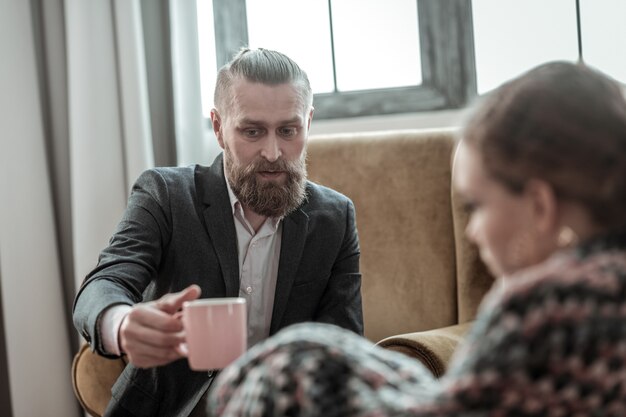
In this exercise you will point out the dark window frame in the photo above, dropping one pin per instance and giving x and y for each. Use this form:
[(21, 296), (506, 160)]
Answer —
[(447, 56)]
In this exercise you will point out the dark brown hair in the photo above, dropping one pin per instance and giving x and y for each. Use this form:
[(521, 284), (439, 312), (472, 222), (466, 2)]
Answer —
[(563, 123)]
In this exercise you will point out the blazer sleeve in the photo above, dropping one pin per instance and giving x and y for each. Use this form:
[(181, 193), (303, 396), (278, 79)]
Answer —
[(341, 302), (130, 261)]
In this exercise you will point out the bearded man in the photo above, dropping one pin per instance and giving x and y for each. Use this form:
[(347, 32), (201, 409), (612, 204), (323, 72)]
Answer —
[(250, 225)]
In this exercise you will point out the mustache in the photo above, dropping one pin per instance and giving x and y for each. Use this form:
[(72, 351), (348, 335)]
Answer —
[(262, 164)]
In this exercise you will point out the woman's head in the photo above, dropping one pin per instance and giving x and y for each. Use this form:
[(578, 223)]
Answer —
[(550, 148)]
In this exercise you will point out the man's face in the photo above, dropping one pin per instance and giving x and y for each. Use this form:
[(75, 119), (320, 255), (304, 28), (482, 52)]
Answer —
[(263, 133)]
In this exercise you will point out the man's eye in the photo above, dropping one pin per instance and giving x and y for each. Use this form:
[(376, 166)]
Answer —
[(252, 133), (287, 131)]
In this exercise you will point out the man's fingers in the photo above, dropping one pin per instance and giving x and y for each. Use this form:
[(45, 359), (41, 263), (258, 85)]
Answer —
[(147, 358), (171, 303), (151, 333), (148, 346), (146, 315), (134, 335)]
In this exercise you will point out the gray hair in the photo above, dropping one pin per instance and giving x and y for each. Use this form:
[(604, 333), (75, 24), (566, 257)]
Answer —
[(261, 66)]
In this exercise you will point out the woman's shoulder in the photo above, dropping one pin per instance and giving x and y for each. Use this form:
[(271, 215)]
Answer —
[(585, 294), (570, 274), (569, 303)]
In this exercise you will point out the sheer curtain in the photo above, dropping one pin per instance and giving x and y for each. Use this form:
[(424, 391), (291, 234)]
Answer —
[(109, 126), (87, 103)]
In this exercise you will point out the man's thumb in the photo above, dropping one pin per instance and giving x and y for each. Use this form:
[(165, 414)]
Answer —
[(171, 303)]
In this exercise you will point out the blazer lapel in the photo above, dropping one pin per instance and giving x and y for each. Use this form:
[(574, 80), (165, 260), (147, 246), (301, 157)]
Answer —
[(218, 219), (295, 228)]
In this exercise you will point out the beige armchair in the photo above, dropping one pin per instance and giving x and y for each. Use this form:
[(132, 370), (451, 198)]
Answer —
[(422, 281), (92, 379)]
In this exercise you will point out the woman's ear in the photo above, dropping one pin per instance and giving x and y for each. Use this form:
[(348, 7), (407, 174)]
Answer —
[(544, 206)]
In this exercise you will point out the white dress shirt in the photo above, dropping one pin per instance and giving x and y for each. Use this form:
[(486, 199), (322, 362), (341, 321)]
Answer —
[(259, 254)]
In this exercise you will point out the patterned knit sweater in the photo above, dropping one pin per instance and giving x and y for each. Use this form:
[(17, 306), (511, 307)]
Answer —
[(551, 341)]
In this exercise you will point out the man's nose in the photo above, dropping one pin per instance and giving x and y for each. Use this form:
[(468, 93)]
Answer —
[(271, 149)]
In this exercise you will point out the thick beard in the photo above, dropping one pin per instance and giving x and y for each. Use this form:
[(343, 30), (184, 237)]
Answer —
[(267, 198)]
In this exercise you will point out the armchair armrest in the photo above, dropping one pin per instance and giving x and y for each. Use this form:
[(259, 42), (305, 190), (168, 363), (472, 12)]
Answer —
[(92, 378), (433, 348)]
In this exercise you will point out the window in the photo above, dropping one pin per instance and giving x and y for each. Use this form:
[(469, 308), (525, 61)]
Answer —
[(604, 35), (512, 36), (349, 48), (334, 41), (374, 57)]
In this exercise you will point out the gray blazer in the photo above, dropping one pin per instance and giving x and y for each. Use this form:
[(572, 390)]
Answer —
[(177, 230)]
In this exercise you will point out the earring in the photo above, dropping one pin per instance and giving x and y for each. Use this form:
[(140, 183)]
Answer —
[(567, 237)]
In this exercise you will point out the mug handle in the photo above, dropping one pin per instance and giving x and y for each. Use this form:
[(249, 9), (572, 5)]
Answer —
[(182, 349)]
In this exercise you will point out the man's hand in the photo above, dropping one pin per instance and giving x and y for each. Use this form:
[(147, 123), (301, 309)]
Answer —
[(151, 332)]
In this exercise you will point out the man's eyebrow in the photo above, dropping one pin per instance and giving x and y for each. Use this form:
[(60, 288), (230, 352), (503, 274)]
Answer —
[(295, 119), (248, 121)]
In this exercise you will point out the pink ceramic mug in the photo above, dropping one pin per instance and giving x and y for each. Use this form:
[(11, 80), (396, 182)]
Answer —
[(216, 332)]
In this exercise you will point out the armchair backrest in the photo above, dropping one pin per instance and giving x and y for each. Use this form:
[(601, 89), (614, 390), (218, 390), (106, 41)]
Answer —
[(419, 272)]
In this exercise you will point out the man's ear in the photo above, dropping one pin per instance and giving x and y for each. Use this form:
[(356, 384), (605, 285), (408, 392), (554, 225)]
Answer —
[(216, 123), (308, 125), (545, 205)]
